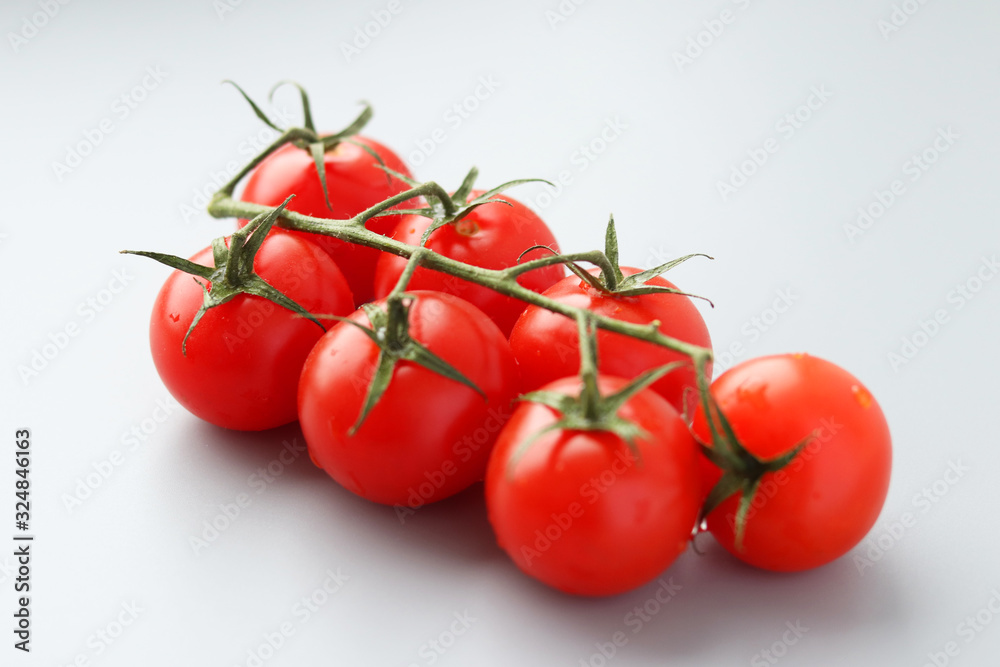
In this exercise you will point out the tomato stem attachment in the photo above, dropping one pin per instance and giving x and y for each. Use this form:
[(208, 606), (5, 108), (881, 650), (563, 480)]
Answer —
[(233, 273), (452, 209), (590, 396), (742, 471)]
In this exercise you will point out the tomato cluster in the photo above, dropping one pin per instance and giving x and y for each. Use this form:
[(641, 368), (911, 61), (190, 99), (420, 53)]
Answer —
[(602, 451)]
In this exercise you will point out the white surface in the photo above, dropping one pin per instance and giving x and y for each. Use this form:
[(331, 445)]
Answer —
[(557, 88)]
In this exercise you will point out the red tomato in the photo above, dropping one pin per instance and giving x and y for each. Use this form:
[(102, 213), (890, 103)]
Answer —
[(827, 499), (546, 344), (355, 183), (429, 436), (492, 236), (577, 511), (244, 357)]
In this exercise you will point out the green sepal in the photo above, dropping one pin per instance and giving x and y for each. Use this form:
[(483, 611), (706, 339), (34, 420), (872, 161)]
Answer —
[(233, 273), (317, 145), (174, 262), (319, 159), (611, 251), (640, 278), (256, 109), (574, 413), (351, 130), (742, 471), (459, 204), (307, 120), (727, 485), (465, 189), (390, 332)]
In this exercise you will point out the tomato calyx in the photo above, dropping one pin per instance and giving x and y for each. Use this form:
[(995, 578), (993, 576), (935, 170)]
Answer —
[(742, 471), (311, 141), (592, 411), (390, 331), (612, 281), (453, 209), (233, 273)]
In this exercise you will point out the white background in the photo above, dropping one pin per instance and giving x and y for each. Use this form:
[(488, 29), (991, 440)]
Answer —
[(557, 84)]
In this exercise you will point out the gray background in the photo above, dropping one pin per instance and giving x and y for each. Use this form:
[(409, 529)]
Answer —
[(684, 129)]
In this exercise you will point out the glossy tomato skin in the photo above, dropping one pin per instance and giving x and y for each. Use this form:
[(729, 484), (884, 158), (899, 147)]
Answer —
[(828, 498), (355, 183), (243, 359), (493, 236), (577, 511), (429, 436), (546, 344)]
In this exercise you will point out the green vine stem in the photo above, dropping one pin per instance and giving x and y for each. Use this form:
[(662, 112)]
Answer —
[(503, 281)]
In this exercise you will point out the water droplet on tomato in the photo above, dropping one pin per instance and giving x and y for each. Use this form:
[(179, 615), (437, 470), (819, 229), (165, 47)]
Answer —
[(862, 396)]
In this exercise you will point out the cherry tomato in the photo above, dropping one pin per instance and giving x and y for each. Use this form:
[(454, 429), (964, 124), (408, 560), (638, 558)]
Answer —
[(492, 236), (828, 497), (355, 183), (429, 436), (244, 357), (578, 511), (546, 344)]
